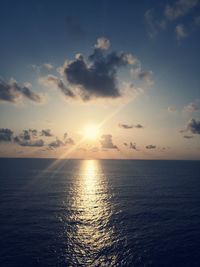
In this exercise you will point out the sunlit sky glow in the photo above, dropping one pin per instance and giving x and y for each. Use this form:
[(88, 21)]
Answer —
[(100, 79)]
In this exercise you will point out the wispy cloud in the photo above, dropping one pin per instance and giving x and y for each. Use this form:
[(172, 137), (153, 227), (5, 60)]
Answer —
[(48, 66), (51, 80), (12, 92), (179, 8), (192, 107), (172, 109), (180, 32), (170, 14)]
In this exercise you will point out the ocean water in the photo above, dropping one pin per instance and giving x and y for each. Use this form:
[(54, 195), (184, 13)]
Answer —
[(99, 213)]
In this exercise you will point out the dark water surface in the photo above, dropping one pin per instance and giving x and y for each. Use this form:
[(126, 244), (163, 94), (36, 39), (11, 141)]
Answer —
[(99, 213)]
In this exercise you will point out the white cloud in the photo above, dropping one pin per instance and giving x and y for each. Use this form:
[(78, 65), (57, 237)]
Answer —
[(180, 32), (192, 107), (179, 8), (48, 66), (102, 43), (171, 109)]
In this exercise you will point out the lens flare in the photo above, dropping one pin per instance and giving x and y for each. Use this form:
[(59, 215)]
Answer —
[(91, 132)]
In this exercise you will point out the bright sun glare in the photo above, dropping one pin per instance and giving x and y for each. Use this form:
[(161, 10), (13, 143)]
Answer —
[(91, 132)]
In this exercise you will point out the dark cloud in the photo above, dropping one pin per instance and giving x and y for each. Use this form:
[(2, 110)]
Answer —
[(55, 144), (12, 92), (28, 138), (150, 146), (130, 126), (32, 143), (46, 132), (133, 146), (106, 142), (95, 76), (68, 140), (6, 135), (193, 126), (139, 126), (126, 126), (26, 135), (97, 79), (188, 136)]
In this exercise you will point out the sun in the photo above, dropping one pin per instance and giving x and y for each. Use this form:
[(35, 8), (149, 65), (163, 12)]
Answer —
[(91, 132)]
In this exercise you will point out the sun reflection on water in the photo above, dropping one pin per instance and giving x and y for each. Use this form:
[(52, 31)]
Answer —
[(90, 233)]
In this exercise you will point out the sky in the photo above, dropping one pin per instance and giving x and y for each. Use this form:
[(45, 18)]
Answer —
[(100, 79)]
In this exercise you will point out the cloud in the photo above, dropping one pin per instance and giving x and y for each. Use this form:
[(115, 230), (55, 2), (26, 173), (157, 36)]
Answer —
[(28, 138), (143, 75), (126, 126), (171, 13), (102, 43), (46, 132), (192, 107), (55, 144), (6, 135), (188, 136), (99, 77), (150, 146), (180, 32), (130, 126), (179, 8), (171, 109), (26, 135), (153, 24), (95, 76), (51, 80), (133, 146), (139, 126), (149, 18), (193, 126), (32, 143), (68, 140), (13, 93), (106, 142), (48, 66)]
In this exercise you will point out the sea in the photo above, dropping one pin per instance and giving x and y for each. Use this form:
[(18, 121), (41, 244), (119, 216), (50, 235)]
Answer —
[(99, 213)]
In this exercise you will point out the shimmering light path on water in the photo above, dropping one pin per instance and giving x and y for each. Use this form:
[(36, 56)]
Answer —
[(99, 213)]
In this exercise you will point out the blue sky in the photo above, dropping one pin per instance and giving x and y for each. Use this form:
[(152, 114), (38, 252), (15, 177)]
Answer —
[(155, 82)]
